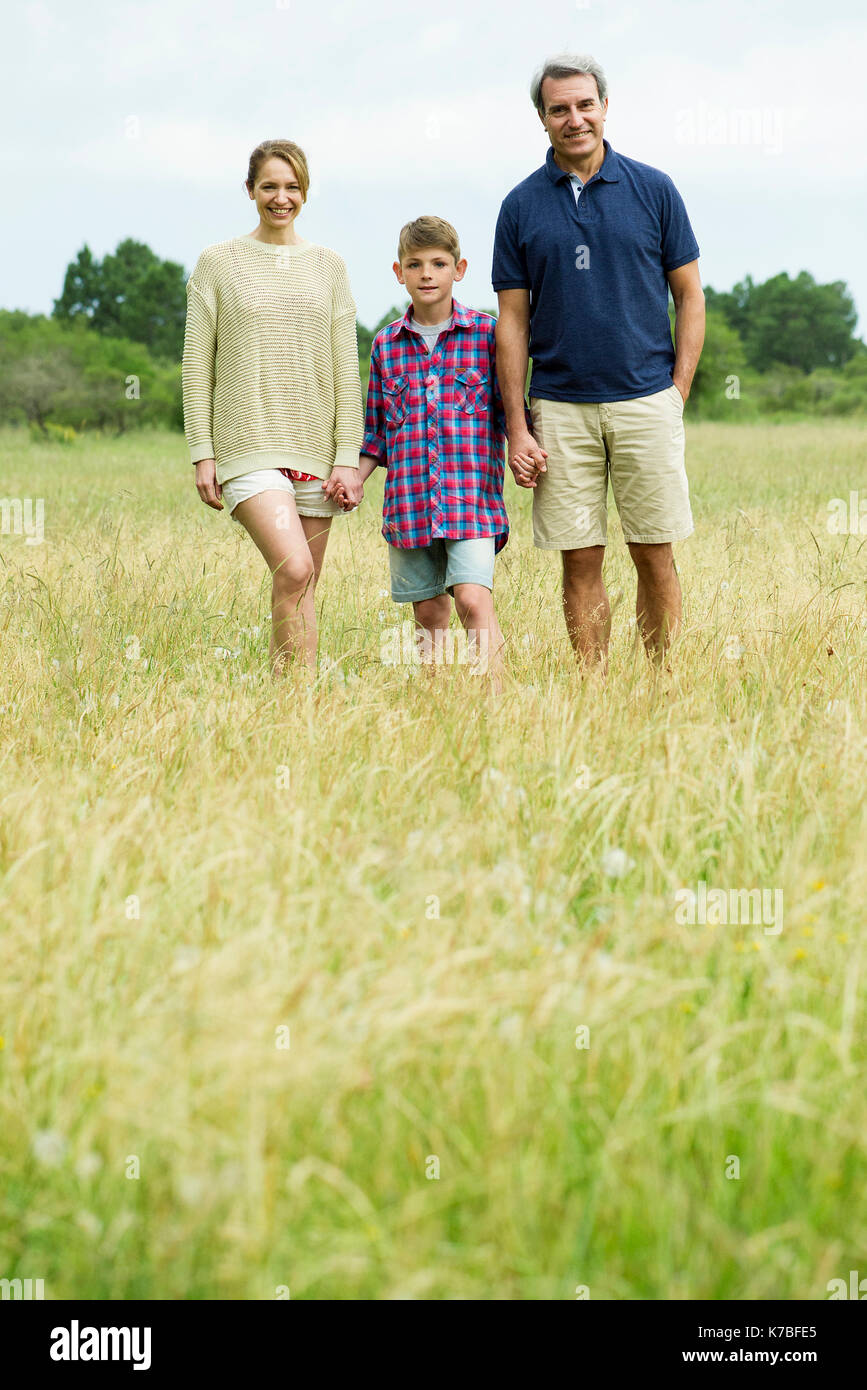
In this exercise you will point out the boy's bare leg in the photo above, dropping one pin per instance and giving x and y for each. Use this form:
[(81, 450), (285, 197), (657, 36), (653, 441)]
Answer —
[(432, 616), (475, 608)]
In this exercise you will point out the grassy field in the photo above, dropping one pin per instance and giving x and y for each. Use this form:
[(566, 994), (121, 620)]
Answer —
[(435, 900)]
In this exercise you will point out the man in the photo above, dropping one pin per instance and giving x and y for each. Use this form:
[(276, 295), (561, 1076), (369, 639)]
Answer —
[(585, 251)]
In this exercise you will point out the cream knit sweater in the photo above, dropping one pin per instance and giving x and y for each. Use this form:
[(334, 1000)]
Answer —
[(270, 369)]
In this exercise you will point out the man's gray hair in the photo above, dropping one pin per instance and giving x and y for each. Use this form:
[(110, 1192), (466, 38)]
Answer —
[(567, 65)]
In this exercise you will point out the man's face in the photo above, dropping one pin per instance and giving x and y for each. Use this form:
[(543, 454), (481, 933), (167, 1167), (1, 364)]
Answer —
[(574, 117)]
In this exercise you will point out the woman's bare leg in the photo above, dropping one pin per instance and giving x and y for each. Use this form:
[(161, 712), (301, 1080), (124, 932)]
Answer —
[(316, 529), (272, 520)]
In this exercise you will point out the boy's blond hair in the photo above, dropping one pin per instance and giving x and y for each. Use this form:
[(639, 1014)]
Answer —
[(428, 231)]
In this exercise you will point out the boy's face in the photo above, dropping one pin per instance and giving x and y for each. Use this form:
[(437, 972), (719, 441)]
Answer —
[(429, 274)]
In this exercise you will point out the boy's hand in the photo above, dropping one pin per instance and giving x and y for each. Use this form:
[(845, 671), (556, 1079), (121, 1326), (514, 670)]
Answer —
[(526, 458), (343, 502), (345, 481)]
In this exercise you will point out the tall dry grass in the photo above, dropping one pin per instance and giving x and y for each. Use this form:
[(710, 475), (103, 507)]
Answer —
[(425, 893)]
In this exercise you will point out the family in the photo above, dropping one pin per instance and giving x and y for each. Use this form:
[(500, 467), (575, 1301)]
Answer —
[(586, 250)]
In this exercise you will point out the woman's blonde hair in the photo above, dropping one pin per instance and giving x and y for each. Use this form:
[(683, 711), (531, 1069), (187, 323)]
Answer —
[(280, 149)]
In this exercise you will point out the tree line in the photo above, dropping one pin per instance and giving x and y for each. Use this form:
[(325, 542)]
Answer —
[(108, 356)]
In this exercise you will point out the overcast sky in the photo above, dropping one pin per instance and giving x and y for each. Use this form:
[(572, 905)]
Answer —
[(137, 120)]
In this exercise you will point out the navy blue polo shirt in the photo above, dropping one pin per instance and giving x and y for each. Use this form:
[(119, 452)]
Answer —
[(595, 269)]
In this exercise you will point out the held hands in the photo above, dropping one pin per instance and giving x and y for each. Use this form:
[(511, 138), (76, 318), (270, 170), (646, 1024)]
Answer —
[(526, 458), (209, 489), (345, 487)]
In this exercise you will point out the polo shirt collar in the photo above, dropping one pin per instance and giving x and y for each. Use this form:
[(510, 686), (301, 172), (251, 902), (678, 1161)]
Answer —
[(461, 318), (609, 173)]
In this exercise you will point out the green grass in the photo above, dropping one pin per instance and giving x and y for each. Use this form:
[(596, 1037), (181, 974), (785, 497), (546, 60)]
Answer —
[(411, 878)]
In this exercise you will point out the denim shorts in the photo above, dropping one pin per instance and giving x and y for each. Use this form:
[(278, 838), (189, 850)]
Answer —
[(426, 571), (309, 497)]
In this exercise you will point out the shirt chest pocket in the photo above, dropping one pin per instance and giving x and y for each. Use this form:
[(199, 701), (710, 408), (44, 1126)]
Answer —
[(471, 391), (395, 393)]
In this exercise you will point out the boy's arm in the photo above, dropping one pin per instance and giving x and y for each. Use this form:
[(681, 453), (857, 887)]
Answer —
[(373, 450), (373, 443), (366, 465)]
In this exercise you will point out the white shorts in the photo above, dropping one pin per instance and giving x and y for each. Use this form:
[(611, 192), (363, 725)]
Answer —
[(309, 497)]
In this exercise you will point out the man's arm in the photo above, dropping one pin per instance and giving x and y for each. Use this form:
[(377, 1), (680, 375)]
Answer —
[(526, 459), (688, 296)]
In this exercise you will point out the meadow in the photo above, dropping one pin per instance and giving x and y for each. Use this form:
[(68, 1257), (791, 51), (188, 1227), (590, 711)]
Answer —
[(377, 989)]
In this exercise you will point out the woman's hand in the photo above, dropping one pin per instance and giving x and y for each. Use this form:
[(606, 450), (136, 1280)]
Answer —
[(345, 487), (210, 490)]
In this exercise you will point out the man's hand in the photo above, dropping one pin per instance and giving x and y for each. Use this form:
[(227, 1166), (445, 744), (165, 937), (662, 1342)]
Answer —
[(526, 458), (684, 390), (210, 490), (344, 486)]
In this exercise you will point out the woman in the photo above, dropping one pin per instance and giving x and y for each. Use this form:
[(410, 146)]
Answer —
[(272, 396)]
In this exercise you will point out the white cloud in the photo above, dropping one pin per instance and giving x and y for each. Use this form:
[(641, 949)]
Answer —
[(403, 111)]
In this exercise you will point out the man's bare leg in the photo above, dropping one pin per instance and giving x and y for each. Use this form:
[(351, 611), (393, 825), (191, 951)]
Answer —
[(658, 602), (586, 607)]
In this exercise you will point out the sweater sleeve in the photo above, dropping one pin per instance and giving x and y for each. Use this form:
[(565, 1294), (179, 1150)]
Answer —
[(348, 412), (200, 348)]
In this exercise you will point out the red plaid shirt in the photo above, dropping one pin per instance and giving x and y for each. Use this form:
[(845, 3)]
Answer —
[(435, 422)]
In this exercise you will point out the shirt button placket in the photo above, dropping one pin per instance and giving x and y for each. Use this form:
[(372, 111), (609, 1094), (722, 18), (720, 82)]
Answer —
[(432, 393)]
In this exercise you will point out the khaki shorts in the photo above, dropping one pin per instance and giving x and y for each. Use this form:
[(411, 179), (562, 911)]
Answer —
[(640, 443)]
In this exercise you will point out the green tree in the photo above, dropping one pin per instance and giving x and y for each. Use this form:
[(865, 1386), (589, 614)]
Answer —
[(130, 294), (794, 323), (365, 341), (65, 374)]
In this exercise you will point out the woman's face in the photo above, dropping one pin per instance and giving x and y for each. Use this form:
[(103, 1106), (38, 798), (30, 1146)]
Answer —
[(277, 193)]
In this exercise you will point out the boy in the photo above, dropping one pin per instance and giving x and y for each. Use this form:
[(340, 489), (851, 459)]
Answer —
[(435, 422)]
